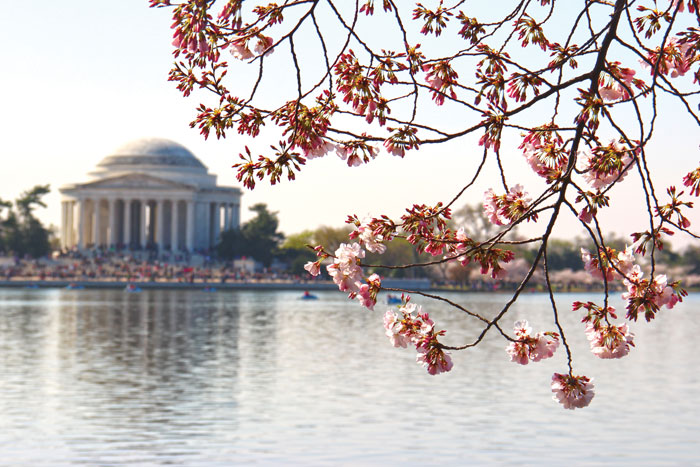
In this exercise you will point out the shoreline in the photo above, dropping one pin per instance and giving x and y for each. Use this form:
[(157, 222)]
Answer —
[(198, 285), (155, 285)]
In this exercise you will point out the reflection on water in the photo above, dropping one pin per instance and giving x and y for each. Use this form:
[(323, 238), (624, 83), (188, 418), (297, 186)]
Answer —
[(187, 377)]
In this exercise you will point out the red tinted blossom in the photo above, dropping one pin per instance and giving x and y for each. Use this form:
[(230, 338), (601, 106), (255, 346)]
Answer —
[(518, 85), (562, 56), (306, 127), (692, 5), (402, 140), (610, 85), (441, 78), (434, 21), (586, 214), (572, 391), (692, 180), (673, 209), (356, 153), (530, 30), (360, 89), (674, 60)]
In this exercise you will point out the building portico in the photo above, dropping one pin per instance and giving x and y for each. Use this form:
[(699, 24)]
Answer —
[(150, 194)]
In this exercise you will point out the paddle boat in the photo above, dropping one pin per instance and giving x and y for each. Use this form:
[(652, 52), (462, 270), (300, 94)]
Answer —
[(132, 288), (309, 296), (393, 300), (74, 286), (209, 289)]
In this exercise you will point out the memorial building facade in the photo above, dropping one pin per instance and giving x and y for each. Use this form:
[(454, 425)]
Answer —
[(149, 193)]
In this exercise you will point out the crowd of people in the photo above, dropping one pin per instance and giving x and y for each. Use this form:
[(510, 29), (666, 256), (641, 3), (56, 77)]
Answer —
[(109, 265)]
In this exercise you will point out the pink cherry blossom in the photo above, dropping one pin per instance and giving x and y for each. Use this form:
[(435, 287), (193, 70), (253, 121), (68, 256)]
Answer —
[(345, 270), (394, 329), (610, 89), (367, 293), (263, 45), (369, 239), (240, 50), (504, 209), (610, 341), (320, 149), (434, 359), (313, 267), (529, 347), (572, 391), (586, 215), (606, 164)]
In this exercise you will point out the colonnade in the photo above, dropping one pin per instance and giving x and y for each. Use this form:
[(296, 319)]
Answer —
[(172, 224)]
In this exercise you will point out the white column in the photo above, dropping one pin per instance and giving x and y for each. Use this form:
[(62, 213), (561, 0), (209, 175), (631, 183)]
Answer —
[(81, 224), (235, 217), (227, 216), (173, 225), (217, 225), (96, 223), (111, 222), (127, 223), (143, 231), (73, 234), (190, 225), (159, 223), (64, 223)]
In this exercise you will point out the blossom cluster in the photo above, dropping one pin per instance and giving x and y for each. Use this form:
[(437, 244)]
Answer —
[(543, 148), (606, 164), (572, 391), (642, 294), (650, 295), (608, 263), (531, 347), (506, 209), (609, 340), (409, 325)]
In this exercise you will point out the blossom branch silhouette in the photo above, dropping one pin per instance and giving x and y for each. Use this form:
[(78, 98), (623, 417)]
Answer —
[(380, 95)]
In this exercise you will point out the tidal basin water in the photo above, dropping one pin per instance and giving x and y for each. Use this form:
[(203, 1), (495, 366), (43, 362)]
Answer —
[(100, 377)]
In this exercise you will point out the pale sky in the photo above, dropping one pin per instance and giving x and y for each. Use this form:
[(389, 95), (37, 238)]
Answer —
[(81, 78)]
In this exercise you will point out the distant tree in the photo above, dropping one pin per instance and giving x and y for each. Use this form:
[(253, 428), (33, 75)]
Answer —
[(325, 235), (563, 254), (4, 222), (257, 238), (21, 232), (295, 251)]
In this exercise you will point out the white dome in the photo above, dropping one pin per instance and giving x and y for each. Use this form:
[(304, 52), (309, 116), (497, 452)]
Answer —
[(152, 152), (157, 157)]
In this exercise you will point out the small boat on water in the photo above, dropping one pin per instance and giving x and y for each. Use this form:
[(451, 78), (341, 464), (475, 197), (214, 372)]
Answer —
[(393, 300), (74, 286), (132, 288), (209, 289), (309, 296)]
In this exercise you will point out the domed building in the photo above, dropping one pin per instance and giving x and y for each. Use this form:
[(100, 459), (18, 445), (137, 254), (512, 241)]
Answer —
[(148, 193)]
